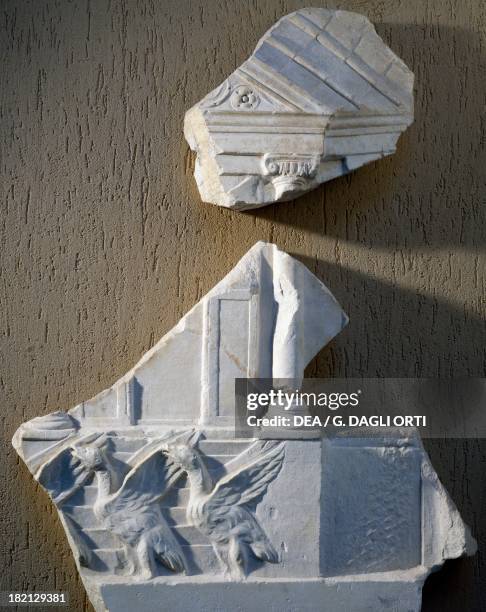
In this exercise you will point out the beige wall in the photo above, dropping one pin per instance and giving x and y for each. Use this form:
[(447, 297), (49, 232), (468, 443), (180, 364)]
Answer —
[(105, 243)]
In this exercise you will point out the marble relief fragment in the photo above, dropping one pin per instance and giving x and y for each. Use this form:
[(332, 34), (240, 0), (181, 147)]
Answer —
[(321, 95), (165, 508)]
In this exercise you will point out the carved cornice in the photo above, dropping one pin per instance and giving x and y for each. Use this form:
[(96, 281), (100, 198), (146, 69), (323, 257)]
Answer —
[(290, 172)]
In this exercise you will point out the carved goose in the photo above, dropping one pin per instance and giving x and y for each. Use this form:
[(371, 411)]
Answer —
[(131, 512), (222, 511)]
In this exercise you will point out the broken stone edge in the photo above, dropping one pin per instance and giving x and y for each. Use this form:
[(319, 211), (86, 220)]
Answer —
[(320, 96)]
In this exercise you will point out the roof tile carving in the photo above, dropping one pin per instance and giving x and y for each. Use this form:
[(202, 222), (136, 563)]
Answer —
[(320, 85)]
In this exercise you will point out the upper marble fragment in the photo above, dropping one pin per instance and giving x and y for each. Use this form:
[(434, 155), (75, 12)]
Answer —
[(320, 96)]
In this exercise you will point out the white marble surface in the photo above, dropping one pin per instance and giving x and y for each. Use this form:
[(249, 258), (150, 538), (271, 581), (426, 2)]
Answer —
[(321, 95), (161, 503)]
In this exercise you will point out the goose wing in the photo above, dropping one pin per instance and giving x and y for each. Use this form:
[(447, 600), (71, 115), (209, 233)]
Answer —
[(62, 474), (248, 484), (153, 474)]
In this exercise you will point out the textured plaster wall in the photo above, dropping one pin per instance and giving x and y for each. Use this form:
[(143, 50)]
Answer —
[(105, 243)]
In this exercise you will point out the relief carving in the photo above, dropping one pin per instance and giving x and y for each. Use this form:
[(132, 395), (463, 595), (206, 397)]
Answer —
[(244, 98), (131, 511), (156, 513), (129, 507), (290, 173), (320, 82), (222, 511)]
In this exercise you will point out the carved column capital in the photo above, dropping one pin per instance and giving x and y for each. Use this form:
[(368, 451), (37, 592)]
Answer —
[(290, 172)]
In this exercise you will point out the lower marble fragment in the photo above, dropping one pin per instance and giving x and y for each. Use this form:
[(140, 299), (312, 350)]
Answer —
[(165, 509)]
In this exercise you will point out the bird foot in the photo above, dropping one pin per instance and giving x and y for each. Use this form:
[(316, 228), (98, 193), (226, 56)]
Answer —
[(126, 569), (144, 575)]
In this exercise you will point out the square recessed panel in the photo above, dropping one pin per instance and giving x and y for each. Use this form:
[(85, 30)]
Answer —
[(371, 510)]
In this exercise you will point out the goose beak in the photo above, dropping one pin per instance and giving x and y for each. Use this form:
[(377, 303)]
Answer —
[(194, 438), (191, 438), (101, 441), (92, 438), (74, 452)]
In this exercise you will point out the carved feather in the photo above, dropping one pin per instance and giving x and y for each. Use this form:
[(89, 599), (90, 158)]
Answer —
[(151, 477), (248, 484), (165, 547), (62, 474)]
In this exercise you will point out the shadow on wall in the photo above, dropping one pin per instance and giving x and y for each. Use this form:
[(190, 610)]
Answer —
[(437, 340), (452, 588), (394, 331), (430, 193)]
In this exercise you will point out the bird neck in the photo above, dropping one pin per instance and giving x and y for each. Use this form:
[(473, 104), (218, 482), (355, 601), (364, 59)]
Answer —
[(104, 484), (199, 479)]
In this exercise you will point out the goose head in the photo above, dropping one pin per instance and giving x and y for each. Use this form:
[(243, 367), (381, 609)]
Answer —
[(182, 451), (90, 456)]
